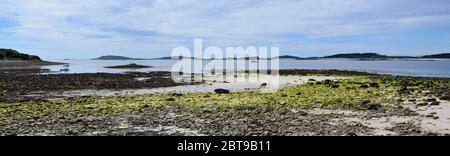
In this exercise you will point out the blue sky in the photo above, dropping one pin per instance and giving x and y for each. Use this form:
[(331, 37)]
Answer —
[(56, 29)]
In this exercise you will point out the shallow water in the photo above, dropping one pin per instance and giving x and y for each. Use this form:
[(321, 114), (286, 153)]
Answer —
[(435, 68), (211, 83)]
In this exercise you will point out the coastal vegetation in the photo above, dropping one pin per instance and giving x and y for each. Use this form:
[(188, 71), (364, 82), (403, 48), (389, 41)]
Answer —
[(10, 54), (10, 57)]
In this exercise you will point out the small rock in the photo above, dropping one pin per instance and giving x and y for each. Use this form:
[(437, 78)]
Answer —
[(177, 94), (435, 117), (264, 85), (422, 104), (73, 132), (302, 113), (445, 97), (374, 106), (365, 101), (435, 103), (412, 100), (351, 134), (364, 86), (222, 91), (170, 99), (431, 99), (375, 85), (328, 81)]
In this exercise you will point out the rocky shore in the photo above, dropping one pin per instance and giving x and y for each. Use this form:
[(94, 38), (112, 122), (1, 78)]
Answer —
[(129, 66), (16, 87), (358, 104)]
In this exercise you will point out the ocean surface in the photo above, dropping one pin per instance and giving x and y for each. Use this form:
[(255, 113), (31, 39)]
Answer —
[(434, 68)]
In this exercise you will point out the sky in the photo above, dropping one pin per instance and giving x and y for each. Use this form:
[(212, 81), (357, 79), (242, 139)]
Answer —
[(83, 29)]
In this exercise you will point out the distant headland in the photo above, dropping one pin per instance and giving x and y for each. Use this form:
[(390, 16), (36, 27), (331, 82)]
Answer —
[(10, 57)]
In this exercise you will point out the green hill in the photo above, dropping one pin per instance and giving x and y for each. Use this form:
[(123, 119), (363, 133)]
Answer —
[(10, 54)]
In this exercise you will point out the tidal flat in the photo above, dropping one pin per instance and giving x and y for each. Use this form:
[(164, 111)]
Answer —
[(349, 103)]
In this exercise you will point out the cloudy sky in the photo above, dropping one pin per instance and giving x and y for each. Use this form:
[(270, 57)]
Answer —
[(56, 29)]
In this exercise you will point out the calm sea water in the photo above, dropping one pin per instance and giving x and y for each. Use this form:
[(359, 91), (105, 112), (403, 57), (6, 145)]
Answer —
[(437, 68)]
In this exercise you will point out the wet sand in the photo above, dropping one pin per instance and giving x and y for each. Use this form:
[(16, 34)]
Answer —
[(21, 63)]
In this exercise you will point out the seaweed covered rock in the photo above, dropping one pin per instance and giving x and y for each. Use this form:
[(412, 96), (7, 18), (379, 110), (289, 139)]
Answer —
[(222, 91), (445, 97), (129, 66)]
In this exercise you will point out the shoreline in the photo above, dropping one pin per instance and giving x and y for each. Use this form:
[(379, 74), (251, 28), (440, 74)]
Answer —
[(21, 63)]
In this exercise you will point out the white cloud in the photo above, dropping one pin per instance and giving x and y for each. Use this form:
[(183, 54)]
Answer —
[(166, 23)]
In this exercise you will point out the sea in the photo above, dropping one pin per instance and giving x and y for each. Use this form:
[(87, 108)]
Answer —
[(423, 68)]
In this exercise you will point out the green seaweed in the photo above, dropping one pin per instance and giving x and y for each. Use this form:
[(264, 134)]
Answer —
[(355, 92)]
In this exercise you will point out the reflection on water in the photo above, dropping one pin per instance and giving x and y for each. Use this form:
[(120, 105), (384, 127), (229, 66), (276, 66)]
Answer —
[(438, 68)]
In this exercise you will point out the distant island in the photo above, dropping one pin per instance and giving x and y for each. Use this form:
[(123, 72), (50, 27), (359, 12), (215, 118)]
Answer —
[(357, 56), (129, 66), (375, 57), (354, 56), (180, 57), (114, 57), (11, 57), (443, 55)]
